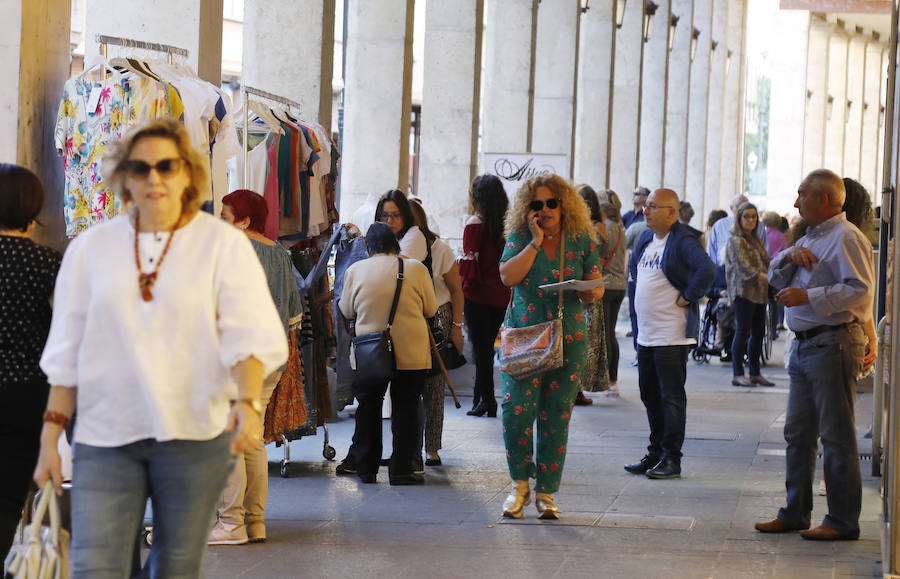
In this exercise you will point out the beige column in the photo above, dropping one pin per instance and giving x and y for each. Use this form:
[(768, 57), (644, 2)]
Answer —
[(882, 92), (678, 97), (788, 102), (595, 69), (856, 71), (450, 106), (195, 26), (868, 163), (34, 63), (835, 126), (695, 167), (377, 97), (718, 52), (627, 101), (816, 94), (554, 77), (507, 76), (731, 173), (653, 100), (301, 33)]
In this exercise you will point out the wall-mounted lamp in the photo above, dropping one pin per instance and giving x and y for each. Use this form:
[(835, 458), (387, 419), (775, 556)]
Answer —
[(829, 108), (712, 52), (670, 40), (809, 94), (695, 34), (847, 111), (881, 115), (649, 11), (585, 6), (620, 13), (727, 62)]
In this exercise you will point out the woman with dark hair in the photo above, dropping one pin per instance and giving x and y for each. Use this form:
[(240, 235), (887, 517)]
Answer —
[(595, 376), (746, 267), (485, 295), (242, 510), (369, 287), (858, 207), (393, 209), (27, 273), (613, 255), (449, 295)]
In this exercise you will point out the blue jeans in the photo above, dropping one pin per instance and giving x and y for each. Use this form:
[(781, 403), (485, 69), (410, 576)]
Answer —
[(662, 371), (749, 323), (182, 478), (820, 405)]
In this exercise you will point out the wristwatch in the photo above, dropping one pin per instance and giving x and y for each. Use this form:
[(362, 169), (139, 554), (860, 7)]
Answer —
[(253, 403)]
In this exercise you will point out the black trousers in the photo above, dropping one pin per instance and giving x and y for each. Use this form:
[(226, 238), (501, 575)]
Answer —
[(406, 391), (612, 301), (483, 322), (22, 406)]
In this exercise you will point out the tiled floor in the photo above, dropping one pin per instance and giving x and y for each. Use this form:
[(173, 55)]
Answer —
[(613, 524)]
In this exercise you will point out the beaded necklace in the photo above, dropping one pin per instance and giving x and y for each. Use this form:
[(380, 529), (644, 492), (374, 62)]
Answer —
[(146, 280)]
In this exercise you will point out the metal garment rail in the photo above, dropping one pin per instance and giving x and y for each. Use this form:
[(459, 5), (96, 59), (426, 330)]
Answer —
[(247, 91), (104, 41)]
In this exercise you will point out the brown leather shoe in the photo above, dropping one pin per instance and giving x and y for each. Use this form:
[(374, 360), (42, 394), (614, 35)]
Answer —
[(776, 525), (582, 400), (825, 533)]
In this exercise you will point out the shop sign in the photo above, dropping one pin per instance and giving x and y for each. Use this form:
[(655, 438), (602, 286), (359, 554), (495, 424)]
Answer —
[(514, 169)]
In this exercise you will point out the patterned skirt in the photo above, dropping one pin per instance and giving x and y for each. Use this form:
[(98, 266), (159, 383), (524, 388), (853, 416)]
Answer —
[(595, 377)]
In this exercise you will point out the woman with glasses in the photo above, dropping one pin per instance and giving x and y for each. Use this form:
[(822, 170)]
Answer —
[(546, 213), (162, 319), (393, 209)]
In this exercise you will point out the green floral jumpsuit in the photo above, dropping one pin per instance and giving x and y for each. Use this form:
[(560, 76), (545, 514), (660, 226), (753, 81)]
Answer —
[(547, 397)]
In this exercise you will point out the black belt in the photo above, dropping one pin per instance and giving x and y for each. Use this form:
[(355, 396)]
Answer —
[(815, 331)]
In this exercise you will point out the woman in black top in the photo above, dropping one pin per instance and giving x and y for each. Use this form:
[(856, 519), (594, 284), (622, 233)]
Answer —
[(27, 276)]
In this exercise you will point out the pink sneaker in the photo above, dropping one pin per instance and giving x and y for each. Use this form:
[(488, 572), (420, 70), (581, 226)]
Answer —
[(225, 534)]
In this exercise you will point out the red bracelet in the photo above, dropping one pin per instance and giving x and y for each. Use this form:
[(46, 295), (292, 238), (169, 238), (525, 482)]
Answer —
[(56, 418)]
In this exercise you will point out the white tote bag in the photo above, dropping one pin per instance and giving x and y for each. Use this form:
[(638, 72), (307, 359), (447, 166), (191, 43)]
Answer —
[(40, 551)]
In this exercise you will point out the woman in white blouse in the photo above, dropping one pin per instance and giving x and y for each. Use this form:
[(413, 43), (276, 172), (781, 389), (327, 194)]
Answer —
[(393, 209), (162, 318)]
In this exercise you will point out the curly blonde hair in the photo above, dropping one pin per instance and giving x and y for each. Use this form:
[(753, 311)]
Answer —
[(166, 128), (576, 217)]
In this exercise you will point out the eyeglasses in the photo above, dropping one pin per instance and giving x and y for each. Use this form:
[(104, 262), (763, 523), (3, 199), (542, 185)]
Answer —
[(537, 204), (391, 216), (165, 168), (650, 206)]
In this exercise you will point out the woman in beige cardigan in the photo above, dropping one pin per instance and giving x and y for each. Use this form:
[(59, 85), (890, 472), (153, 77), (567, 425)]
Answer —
[(369, 287)]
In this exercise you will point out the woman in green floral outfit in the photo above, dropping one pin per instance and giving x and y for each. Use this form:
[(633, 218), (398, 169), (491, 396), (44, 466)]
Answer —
[(546, 211)]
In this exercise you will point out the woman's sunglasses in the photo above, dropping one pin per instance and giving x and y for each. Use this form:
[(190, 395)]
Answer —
[(537, 204), (141, 169)]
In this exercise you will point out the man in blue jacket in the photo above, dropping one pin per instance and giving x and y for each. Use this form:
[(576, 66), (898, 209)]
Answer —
[(672, 273)]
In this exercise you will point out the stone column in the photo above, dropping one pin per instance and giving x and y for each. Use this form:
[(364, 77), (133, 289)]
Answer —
[(450, 100), (678, 91), (507, 76), (731, 181), (195, 26), (817, 94), (34, 60), (554, 77), (301, 33), (376, 126), (653, 100), (856, 71), (697, 111), (788, 102), (595, 66), (882, 92), (835, 126), (627, 101), (718, 51), (871, 103)]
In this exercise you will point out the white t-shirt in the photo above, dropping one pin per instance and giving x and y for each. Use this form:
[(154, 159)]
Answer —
[(442, 259), (159, 369), (413, 244), (660, 321)]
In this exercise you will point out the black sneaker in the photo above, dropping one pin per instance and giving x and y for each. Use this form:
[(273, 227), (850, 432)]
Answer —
[(418, 467), (347, 466)]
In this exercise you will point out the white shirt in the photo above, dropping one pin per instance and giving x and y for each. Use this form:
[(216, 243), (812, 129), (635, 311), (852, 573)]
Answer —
[(660, 321), (159, 369), (413, 244), (442, 259)]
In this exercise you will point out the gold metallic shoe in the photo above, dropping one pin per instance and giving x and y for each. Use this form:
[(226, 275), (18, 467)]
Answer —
[(546, 508), (517, 500)]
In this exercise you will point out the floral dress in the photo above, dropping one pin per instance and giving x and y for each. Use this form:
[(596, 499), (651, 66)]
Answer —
[(547, 398)]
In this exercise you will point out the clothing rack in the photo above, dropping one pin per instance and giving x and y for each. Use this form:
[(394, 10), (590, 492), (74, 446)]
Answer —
[(105, 41), (247, 91)]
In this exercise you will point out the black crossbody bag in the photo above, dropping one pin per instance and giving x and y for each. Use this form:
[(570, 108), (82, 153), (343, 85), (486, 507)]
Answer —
[(374, 352)]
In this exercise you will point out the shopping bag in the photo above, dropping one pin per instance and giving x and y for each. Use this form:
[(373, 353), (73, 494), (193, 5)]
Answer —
[(40, 551)]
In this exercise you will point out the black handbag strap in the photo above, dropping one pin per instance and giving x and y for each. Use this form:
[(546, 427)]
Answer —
[(397, 292)]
